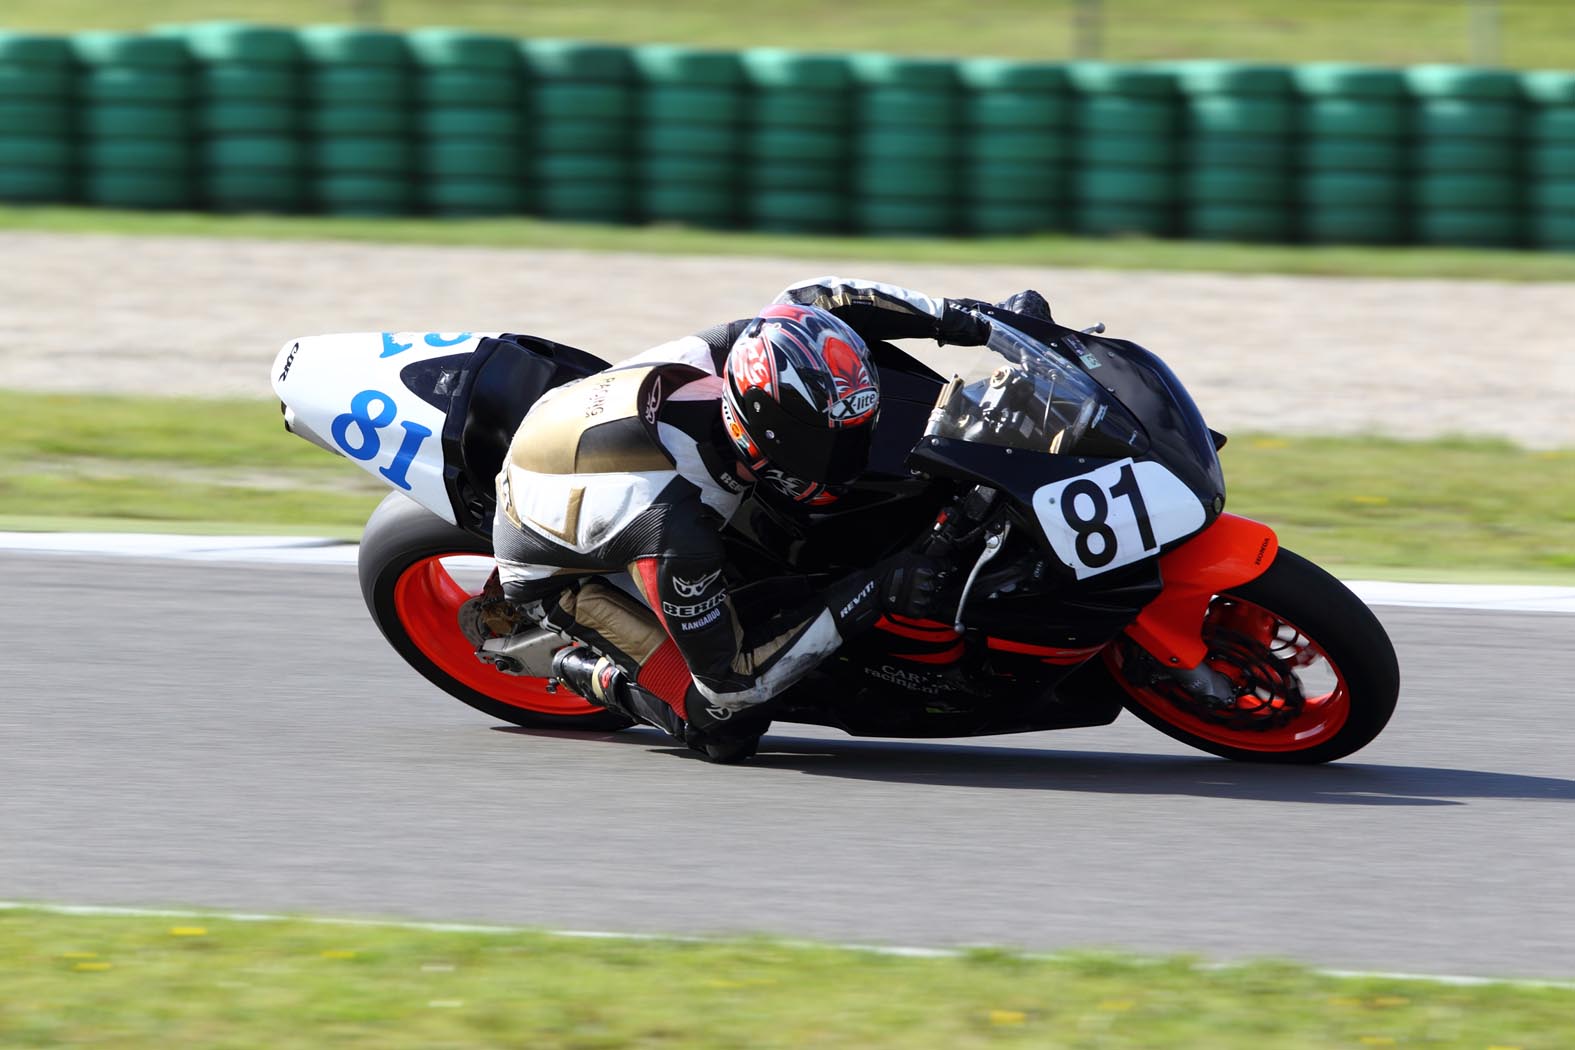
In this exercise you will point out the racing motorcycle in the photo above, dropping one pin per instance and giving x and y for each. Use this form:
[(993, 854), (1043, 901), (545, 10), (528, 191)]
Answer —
[(1076, 492)]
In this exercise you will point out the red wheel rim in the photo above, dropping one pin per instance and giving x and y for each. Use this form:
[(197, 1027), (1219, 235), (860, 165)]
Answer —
[(1322, 716), (427, 601)]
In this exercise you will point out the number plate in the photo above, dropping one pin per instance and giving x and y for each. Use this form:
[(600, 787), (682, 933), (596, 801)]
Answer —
[(1116, 515)]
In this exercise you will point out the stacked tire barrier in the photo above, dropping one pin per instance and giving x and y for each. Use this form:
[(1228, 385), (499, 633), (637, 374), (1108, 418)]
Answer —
[(37, 92), (906, 133), (357, 121), (237, 117), (690, 135), (582, 125), (470, 100), (1240, 125), (1550, 158), (796, 141), (247, 87), (1466, 186), (1016, 146), (1128, 149), (1353, 154), (136, 97)]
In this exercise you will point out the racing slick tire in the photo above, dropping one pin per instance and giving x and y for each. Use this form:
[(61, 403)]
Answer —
[(415, 603)]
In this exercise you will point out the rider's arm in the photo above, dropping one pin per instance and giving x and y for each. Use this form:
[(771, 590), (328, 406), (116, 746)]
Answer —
[(885, 311)]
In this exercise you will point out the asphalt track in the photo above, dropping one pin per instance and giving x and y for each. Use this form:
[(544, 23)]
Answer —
[(217, 736)]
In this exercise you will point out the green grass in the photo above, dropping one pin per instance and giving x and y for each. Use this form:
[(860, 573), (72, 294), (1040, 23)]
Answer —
[(1126, 253), (1470, 506), (1534, 32), (123, 982), (1463, 508), (168, 461)]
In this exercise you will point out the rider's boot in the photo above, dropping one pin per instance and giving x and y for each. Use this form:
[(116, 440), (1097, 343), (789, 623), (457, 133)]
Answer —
[(602, 681), (725, 741)]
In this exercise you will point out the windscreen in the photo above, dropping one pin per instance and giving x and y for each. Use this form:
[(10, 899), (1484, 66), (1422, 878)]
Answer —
[(1038, 401)]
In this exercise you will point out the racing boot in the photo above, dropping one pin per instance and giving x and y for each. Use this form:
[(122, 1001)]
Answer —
[(726, 740), (601, 681)]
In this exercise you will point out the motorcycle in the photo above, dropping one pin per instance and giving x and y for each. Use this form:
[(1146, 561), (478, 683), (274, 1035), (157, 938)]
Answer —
[(1076, 491)]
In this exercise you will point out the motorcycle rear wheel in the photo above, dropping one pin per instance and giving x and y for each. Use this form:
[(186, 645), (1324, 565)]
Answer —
[(407, 563), (1316, 671)]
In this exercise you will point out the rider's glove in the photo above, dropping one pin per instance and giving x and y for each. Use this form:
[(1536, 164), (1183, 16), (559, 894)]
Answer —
[(1028, 303), (959, 327), (905, 583), (911, 583)]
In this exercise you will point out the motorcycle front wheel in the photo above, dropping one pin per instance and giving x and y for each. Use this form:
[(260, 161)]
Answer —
[(1314, 672), (416, 571)]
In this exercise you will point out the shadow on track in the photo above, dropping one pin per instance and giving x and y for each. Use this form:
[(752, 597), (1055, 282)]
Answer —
[(1117, 773)]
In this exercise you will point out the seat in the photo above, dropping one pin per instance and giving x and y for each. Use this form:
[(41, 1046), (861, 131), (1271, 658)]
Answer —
[(508, 375)]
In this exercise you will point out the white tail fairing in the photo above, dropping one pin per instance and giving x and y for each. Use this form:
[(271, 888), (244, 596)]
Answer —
[(356, 394)]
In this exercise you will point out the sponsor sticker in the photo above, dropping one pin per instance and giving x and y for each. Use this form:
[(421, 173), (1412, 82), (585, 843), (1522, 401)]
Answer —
[(917, 683), (285, 373)]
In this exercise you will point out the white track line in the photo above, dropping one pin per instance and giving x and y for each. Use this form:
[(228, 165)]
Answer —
[(296, 550), (907, 952)]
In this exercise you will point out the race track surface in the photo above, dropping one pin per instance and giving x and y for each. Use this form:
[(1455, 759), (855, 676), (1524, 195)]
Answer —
[(241, 738)]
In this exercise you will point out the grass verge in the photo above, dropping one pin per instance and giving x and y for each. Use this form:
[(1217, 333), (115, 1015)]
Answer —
[(136, 982), (1533, 32), (1470, 508), (1040, 250)]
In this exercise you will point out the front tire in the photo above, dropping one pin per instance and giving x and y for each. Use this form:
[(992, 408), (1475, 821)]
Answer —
[(1316, 671), (405, 566)]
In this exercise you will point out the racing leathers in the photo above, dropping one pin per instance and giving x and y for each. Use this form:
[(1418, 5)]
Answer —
[(631, 470)]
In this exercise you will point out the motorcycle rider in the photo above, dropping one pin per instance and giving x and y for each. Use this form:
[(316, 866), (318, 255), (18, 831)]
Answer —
[(638, 468)]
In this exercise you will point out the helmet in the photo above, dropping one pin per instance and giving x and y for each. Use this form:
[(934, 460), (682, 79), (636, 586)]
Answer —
[(800, 399)]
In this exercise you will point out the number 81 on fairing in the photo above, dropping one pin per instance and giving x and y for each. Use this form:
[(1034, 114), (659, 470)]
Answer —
[(365, 425), (1118, 514)]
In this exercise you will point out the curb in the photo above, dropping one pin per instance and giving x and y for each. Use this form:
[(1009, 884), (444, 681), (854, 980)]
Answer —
[(297, 550)]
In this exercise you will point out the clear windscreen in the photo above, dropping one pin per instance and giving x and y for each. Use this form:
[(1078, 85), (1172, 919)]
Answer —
[(1036, 400)]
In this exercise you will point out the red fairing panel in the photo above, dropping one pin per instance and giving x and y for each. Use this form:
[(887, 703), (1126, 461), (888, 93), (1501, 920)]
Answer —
[(1228, 553)]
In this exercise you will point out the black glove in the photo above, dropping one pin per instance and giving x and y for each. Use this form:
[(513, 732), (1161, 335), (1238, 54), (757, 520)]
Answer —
[(905, 583), (1029, 303), (911, 582), (959, 327)]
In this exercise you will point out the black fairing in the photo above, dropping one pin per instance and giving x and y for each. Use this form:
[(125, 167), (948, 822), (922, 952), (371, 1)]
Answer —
[(1145, 385)]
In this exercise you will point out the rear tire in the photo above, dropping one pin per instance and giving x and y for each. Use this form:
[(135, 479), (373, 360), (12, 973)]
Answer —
[(414, 602), (1331, 626)]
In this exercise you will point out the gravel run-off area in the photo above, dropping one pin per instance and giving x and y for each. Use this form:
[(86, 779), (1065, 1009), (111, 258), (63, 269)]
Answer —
[(1410, 358)]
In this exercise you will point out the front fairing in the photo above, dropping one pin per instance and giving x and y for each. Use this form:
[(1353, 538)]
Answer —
[(1103, 452), (1178, 437)]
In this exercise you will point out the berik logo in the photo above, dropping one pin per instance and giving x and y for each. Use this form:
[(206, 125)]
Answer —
[(787, 484), (288, 362), (696, 587), (688, 612), (653, 401)]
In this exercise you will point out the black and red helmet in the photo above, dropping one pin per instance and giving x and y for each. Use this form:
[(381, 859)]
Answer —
[(800, 399)]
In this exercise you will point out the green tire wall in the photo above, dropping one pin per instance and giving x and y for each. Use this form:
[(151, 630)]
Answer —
[(137, 121), (1016, 146), (579, 154), (230, 116)]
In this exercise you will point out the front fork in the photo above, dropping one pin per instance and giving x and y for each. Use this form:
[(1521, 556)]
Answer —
[(1228, 553)]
